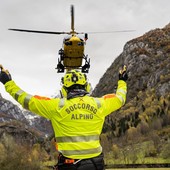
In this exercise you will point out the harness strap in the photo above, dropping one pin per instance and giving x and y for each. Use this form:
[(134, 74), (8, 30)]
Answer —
[(75, 163), (69, 161), (61, 103), (97, 102)]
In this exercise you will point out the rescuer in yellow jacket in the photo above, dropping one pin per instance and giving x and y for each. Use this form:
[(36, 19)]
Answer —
[(77, 118)]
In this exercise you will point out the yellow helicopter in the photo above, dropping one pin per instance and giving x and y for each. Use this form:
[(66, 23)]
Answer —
[(72, 54)]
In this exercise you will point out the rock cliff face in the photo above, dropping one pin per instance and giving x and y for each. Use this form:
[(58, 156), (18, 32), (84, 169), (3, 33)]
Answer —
[(148, 61)]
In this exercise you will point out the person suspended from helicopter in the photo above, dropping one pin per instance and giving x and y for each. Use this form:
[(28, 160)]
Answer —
[(77, 118)]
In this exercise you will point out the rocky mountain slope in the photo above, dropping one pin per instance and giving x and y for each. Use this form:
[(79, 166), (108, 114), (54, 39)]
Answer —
[(148, 61), (22, 124), (148, 99)]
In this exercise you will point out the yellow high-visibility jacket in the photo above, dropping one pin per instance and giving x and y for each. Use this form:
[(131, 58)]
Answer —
[(77, 122)]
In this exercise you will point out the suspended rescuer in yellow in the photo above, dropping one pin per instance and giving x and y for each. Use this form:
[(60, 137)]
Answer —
[(77, 118)]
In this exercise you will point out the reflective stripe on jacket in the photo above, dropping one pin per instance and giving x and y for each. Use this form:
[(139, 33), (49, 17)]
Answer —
[(77, 122)]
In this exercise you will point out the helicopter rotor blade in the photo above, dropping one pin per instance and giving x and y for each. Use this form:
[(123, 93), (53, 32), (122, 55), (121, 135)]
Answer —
[(105, 32), (41, 32), (72, 18)]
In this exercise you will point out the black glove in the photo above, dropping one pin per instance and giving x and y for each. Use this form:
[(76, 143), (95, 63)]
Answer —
[(4, 75), (123, 74)]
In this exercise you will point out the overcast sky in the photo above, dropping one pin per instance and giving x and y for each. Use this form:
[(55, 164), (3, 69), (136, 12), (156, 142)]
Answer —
[(32, 58)]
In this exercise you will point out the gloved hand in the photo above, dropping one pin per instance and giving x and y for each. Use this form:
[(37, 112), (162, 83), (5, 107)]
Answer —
[(123, 74), (4, 75)]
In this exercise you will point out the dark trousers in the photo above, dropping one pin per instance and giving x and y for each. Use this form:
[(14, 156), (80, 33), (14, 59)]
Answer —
[(96, 163)]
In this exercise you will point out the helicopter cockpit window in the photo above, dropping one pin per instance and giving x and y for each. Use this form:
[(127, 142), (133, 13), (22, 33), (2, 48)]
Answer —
[(80, 43), (66, 38), (68, 42)]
